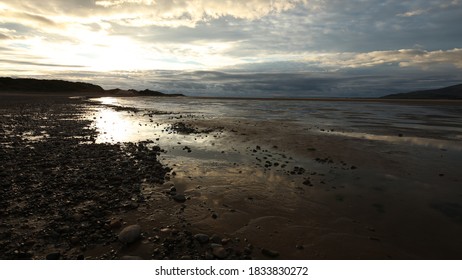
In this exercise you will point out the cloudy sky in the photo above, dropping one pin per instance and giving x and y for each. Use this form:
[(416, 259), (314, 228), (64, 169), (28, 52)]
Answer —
[(234, 47)]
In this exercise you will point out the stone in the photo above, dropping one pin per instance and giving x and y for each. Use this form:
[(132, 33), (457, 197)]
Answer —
[(54, 256), (219, 252), (179, 198), (215, 239), (130, 234), (202, 238), (115, 224), (270, 253), (131, 258)]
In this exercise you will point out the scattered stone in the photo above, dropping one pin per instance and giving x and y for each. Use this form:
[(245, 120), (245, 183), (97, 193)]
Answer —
[(130, 234)]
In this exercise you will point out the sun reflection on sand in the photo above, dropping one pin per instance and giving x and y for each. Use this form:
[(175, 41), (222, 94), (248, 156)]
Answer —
[(107, 100), (114, 127)]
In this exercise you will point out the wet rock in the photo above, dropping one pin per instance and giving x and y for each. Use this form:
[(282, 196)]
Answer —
[(131, 258), (270, 253), (179, 198), (54, 256), (219, 252), (115, 224), (215, 239), (202, 238), (130, 234)]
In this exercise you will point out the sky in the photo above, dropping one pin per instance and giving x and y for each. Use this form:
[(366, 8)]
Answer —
[(293, 48)]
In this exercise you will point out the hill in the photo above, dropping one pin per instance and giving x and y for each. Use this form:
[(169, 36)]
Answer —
[(452, 92), (26, 85), (34, 85)]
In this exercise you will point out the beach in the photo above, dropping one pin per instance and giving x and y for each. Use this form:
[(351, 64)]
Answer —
[(229, 179)]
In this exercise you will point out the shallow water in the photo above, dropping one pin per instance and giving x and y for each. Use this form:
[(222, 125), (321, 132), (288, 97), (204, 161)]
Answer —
[(376, 121)]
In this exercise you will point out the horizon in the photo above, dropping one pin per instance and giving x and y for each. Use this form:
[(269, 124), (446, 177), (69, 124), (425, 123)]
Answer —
[(297, 48)]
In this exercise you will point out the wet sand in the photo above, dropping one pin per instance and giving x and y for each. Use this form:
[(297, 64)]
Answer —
[(255, 188)]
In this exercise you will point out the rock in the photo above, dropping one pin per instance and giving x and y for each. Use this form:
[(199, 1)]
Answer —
[(219, 252), (270, 253), (202, 238), (131, 258), (214, 215), (179, 198), (130, 234), (74, 240), (54, 256), (115, 224), (215, 239)]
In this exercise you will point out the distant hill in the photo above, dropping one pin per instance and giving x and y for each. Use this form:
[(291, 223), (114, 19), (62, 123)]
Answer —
[(59, 86), (148, 92), (452, 92), (34, 85)]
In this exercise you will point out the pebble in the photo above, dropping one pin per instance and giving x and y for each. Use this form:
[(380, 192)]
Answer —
[(131, 258), (179, 198), (270, 253), (130, 234), (219, 252), (202, 238), (115, 224), (54, 256)]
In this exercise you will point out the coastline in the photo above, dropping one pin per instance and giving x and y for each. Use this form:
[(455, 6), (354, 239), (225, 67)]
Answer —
[(336, 198)]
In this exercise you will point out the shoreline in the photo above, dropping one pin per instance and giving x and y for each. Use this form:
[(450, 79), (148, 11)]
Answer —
[(315, 99), (249, 186)]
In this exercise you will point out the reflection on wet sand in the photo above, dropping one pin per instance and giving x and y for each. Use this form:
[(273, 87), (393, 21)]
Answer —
[(303, 186), (419, 141)]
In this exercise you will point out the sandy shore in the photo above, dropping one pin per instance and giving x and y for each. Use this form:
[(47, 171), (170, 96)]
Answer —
[(221, 188)]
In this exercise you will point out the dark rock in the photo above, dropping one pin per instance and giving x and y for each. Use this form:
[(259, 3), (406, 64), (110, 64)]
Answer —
[(219, 252), (131, 258), (215, 239), (115, 224), (202, 238), (270, 253), (54, 256), (179, 198), (130, 234)]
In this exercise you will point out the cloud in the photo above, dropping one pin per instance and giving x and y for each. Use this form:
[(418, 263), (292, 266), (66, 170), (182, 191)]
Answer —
[(403, 58), (243, 46), (10, 61), (149, 12)]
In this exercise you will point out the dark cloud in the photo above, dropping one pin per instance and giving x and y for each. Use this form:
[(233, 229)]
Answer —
[(38, 64)]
